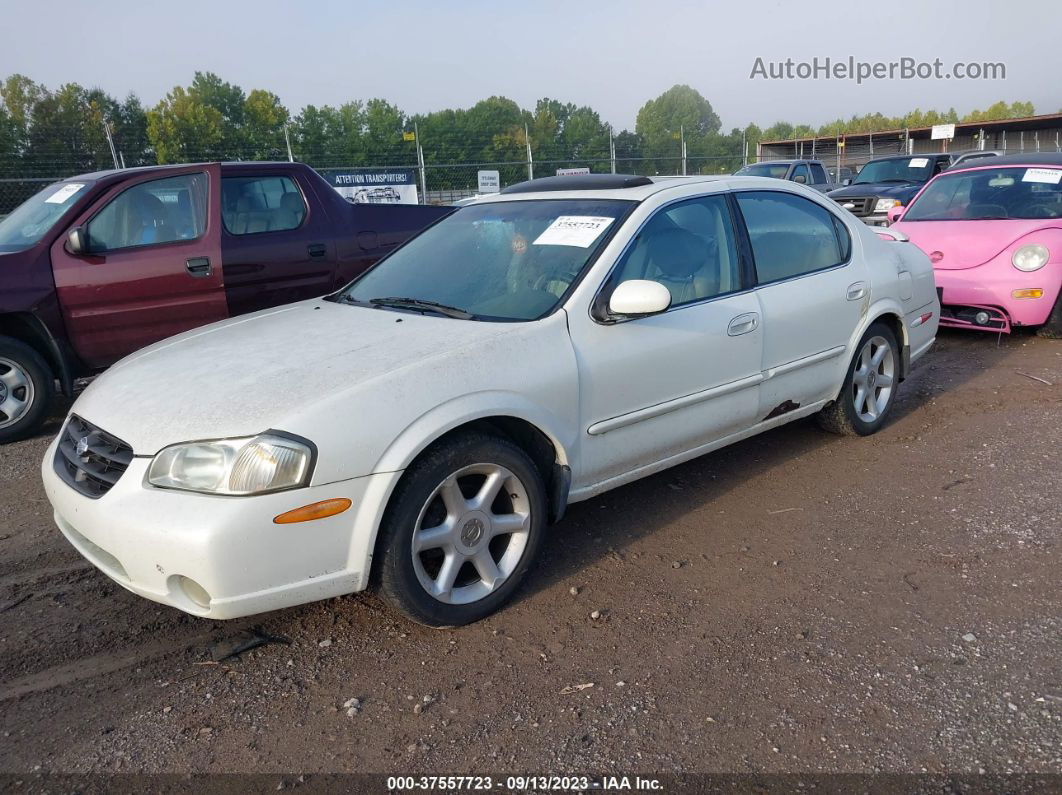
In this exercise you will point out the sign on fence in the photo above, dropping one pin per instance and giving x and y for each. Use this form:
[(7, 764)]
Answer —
[(489, 181), (942, 131), (572, 172), (382, 186)]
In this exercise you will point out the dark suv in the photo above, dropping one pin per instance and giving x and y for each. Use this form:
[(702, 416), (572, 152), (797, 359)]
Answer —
[(888, 182)]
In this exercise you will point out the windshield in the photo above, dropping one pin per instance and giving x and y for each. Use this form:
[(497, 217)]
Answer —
[(32, 219), (775, 170), (500, 261), (990, 193), (904, 169)]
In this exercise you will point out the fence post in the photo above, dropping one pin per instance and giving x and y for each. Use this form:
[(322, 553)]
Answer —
[(420, 164), (530, 164), (287, 142), (682, 142), (611, 149), (110, 143)]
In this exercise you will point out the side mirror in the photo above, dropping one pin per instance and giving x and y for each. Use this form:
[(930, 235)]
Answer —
[(895, 213), (846, 181), (800, 179), (77, 241), (638, 298)]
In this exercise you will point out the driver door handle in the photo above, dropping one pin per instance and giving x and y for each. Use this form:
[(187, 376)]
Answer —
[(743, 324), (856, 291), (199, 267)]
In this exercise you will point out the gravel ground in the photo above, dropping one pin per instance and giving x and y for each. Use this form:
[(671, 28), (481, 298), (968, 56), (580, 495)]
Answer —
[(795, 603)]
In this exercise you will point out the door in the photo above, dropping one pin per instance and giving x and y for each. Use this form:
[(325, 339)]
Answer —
[(655, 387), (277, 247), (812, 293), (151, 266)]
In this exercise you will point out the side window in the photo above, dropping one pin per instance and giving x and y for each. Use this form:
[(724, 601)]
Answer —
[(818, 174), (160, 211), (250, 205), (800, 174), (689, 248), (791, 235)]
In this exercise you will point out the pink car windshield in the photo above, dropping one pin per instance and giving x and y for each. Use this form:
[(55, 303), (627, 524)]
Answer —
[(991, 194)]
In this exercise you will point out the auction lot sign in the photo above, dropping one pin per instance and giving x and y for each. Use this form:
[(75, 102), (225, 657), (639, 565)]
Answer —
[(380, 186)]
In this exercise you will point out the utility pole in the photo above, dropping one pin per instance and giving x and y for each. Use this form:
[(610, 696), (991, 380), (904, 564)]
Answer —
[(287, 140), (110, 143), (420, 163), (682, 142), (530, 164), (745, 149), (612, 149)]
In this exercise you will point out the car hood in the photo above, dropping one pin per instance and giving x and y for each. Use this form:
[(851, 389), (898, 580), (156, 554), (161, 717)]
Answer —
[(256, 372), (883, 190), (967, 244)]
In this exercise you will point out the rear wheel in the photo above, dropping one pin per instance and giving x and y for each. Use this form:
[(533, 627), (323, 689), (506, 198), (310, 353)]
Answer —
[(26, 389), (461, 531), (869, 387)]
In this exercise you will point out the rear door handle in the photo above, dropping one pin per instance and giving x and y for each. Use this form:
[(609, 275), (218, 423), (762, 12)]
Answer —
[(317, 249), (743, 324), (199, 267), (856, 291)]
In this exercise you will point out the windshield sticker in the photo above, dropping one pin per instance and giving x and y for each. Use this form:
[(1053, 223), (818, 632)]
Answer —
[(918, 162), (1049, 175), (64, 193), (573, 230)]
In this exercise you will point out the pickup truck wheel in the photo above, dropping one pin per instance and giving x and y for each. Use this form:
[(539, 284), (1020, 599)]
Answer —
[(869, 387), (26, 389), (461, 531)]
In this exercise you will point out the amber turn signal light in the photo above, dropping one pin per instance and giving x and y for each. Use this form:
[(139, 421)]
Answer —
[(316, 510), (1032, 292)]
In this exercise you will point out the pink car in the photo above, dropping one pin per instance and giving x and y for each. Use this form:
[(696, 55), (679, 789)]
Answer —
[(993, 231)]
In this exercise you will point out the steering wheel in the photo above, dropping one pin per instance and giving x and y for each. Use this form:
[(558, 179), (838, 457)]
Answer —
[(1034, 209)]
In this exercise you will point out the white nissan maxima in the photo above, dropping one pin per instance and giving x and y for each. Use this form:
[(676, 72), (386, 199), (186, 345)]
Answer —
[(417, 430)]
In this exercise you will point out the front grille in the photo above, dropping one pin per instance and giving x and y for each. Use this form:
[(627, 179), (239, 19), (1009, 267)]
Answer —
[(90, 460), (861, 206)]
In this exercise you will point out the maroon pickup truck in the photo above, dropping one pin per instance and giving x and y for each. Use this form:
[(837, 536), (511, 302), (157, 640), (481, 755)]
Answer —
[(97, 266)]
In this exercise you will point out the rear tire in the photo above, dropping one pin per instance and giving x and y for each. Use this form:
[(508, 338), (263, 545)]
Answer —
[(1052, 329), (461, 531), (27, 386), (869, 388)]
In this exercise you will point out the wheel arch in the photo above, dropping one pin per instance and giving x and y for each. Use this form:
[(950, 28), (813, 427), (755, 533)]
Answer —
[(29, 329)]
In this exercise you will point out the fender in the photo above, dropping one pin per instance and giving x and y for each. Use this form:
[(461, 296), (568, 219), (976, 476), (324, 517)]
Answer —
[(873, 312), (42, 338), (441, 419)]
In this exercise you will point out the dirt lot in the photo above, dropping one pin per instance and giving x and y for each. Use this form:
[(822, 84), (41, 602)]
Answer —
[(797, 602)]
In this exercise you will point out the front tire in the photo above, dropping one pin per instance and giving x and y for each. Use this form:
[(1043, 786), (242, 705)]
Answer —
[(869, 387), (461, 531), (26, 389), (1052, 329)]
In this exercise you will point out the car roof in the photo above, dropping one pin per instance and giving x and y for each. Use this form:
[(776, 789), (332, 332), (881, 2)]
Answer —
[(933, 155), (242, 165), (1031, 159), (645, 187)]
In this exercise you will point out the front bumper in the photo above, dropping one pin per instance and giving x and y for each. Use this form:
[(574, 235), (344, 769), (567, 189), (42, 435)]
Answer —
[(989, 287), (154, 541)]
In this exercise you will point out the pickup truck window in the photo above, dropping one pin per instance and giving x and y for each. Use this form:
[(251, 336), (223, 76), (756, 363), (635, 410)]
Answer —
[(818, 175), (160, 211), (261, 204), (801, 171), (790, 235), (33, 218), (900, 169)]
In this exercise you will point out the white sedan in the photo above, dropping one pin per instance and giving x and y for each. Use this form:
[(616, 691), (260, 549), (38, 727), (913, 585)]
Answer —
[(417, 430)]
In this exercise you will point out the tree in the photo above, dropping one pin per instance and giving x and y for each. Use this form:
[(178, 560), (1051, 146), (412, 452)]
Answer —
[(264, 119), (183, 129), (679, 111)]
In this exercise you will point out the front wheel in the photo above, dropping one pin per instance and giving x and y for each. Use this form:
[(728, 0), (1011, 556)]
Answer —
[(1052, 329), (869, 387), (461, 531), (26, 389)]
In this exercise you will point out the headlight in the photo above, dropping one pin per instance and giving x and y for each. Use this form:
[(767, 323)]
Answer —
[(884, 205), (1031, 257), (252, 465)]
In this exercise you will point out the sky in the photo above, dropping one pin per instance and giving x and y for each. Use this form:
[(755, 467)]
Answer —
[(613, 56)]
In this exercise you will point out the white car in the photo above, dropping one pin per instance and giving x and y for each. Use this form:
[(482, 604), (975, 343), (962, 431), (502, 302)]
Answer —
[(417, 430)]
